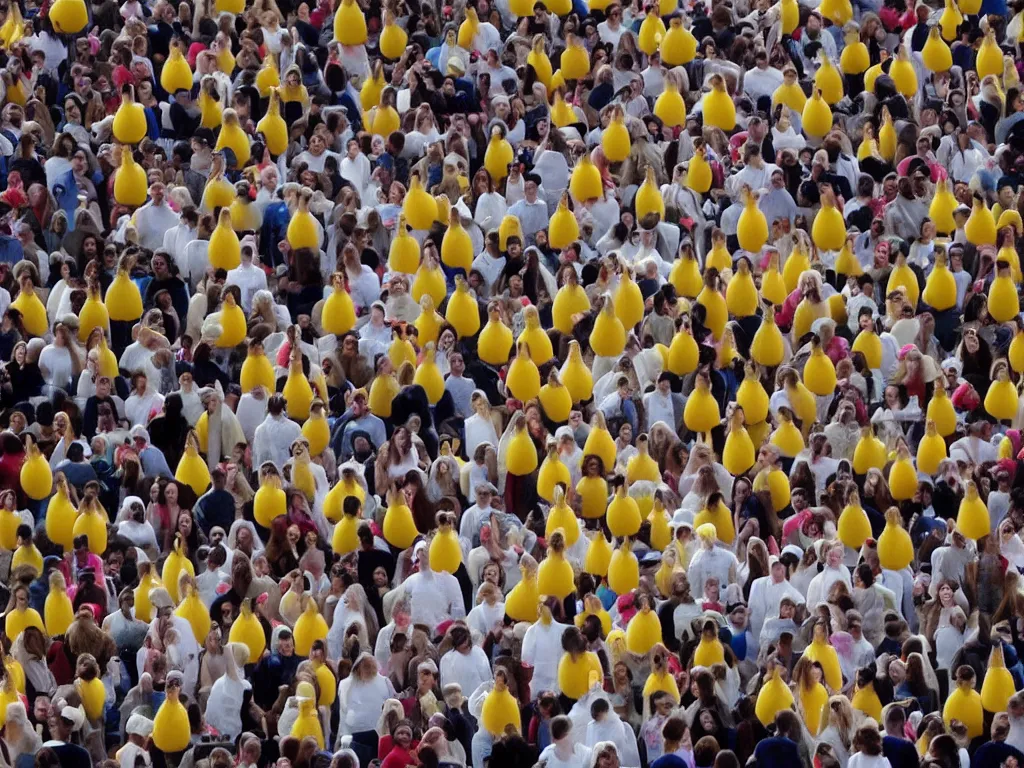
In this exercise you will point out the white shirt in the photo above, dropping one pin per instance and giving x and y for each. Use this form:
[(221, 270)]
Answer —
[(249, 278), (365, 288), (361, 703), (137, 408), (761, 82), (542, 649), (152, 222), (434, 597), (765, 596), (175, 240), (469, 670), (272, 440), (195, 260)]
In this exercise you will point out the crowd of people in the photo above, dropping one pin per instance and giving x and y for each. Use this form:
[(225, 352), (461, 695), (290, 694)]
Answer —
[(510, 383)]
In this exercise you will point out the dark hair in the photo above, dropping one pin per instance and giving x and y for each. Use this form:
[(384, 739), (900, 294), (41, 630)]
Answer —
[(865, 574), (704, 751), (560, 726), (674, 729)]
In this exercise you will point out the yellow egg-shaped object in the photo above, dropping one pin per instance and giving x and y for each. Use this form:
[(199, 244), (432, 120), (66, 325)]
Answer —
[(720, 517), (648, 198), (16, 622), (773, 697), (225, 249), (902, 476), (718, 107), (404, 255), (741, 294), (35, 476), (950, 20), (855, 58), (669, 107), (719, 258), (195, 612), (972, 519), (302, 231), (599, 442), (561, 515), (420, 208), (316, 430), (192, 470), (143, 606), (940, 410), (1003, 304), (903, 75), (129, 125), (232, 323), (790, 94), (797, 263), (752, 228), (232, 137), (563, 228), (210, 109), (107, 360), (93, 696), (1001, 398), (350, 24), (270, 501), (685, 276), (981, 225), (576, 376), (297, 391), (429, 280), (445, 551), (247, 630), (866, 701), (346, 533), (498, 156), (500, 711), (383, 391), (570, 300), (820, 651), (535, 337), (429, 376), (998, 685), (257, 371), (854, 527), (562, 115), (820, 372), (829, 80), (521, 604), (521, 457), (575, 61), (787, 437), (839, 12), (456, 246), (652, 34), (936, 54), (373, 87), (623, 514), (495, 340), (328, 684), (9, 522), (683, 354), (175, 563), (428, 323), (642, 466), (717, 313), (990, 58), (462, 312), (895, 549), (307, 723), (829, 230), (60, 516), (393, 38), (93, 314), (643, 631), (887, 136), (678, 45), (58, 610), (902, 276), (130, 185), (869, 453), (661, 532), (399, 527), (346, 486), (523, 378), (752, 397), (816, 116), (267, 78), (624, 570), (585, 182), (708, 652), (767, 347), (1016, 352), (964, 704), (698, 172), (615, 139), (69, 17), (940, 286), (629, 301), (555, 576), (273, 126), (555, 399), (738, 454), (931, 450), (92, 522), (176, 73), (776, 482), (339, 313), (701, 413)]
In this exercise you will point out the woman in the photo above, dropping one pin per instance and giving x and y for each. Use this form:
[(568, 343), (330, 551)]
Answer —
[(488, 204), (25, 376), (361, 697), (463, 662), (833, 571), (353, 610), (841, 728), (163, 511), (282, 554), (868, 745), (915, 684), (30, 651), (489, 612), (403, 748), (59, 362), (810, 693), (396, 458)]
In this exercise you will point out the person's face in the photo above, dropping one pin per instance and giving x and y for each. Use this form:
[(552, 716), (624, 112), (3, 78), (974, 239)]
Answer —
[(530, 188), (778, 573), (835, 557), (21, 599), (286, 645), (491, 575), (160, 264), (707, 722), (483, 499), (171, 494), (458, 365), (185, 525), (946, 595), (626, 433), (294, 535)]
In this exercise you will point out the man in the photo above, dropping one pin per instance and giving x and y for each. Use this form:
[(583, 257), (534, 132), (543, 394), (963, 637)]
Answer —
[(63, 725), (976, 448), (273, 438), (356, 418), (152, 458), (216, 507), (531, 211), (782, 748), (901, 752), (460, 388), (490, 263), (435, 597), (75, 467), (663, 404), (154, 219), (762, 81), (488, 506), (248, 276), (103, 396), (766, 594)]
